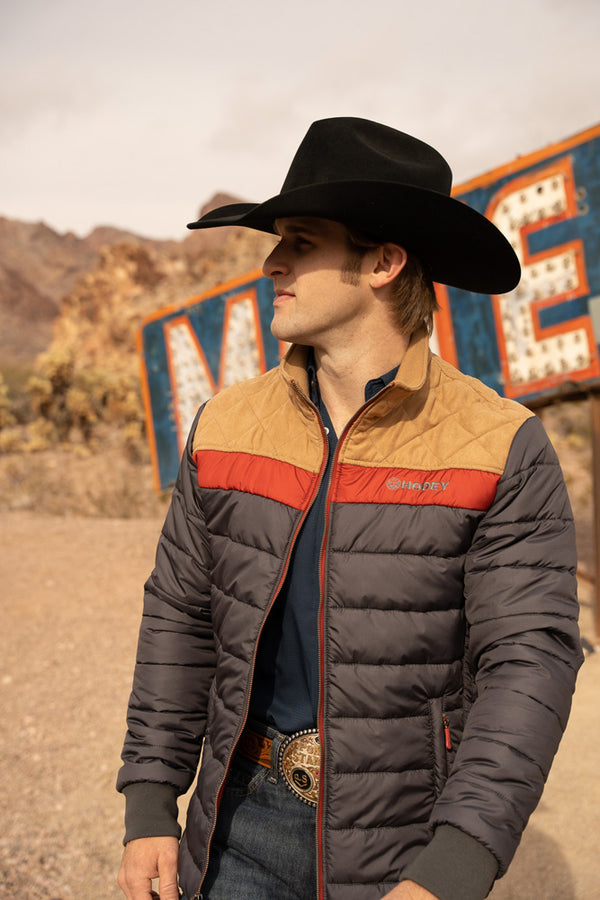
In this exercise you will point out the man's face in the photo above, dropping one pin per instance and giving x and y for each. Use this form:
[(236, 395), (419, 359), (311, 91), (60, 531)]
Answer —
[(322, 295)]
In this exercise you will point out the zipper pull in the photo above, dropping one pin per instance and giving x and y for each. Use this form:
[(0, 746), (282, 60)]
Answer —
[(447, 732)]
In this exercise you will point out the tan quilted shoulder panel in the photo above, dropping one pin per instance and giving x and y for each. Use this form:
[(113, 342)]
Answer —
[(452, 421), (255, 417)]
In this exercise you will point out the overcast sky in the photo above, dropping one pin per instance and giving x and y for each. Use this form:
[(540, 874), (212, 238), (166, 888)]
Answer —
[(135, 112)]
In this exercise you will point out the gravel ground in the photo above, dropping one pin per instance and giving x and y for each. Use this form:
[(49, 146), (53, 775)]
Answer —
[(71, 600)]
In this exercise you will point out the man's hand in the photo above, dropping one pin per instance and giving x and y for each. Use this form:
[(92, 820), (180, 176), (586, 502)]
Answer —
[(145, 859), (408, 890)]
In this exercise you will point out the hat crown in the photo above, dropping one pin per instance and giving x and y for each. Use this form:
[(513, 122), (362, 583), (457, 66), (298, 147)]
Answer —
[(352, 149)]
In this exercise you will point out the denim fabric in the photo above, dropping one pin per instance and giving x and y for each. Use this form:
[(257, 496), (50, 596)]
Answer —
[(265, 841)]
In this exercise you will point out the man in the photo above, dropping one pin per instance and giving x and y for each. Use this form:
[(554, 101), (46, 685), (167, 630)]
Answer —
[(363, 606)]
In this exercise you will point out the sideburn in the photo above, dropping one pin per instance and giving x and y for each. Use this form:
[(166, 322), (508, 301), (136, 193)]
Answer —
[(350, 271)]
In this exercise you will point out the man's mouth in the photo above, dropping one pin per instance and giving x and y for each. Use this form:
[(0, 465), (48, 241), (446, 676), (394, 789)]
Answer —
[(282, 295)]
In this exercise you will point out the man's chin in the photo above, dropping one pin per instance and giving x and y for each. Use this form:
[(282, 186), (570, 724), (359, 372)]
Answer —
[(290, 333), (284, 334)]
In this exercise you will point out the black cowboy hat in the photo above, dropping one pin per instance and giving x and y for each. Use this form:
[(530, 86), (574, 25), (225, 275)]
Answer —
[(392, 187)]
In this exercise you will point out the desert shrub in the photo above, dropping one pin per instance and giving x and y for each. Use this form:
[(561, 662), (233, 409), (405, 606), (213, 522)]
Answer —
[(80, 407), (133, 442), (11, 440), (122, 401), (41, 435), (75, 400), (6, 416), (48, 389)]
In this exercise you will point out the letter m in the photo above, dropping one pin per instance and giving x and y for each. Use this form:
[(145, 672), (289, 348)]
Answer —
[(236, 353)]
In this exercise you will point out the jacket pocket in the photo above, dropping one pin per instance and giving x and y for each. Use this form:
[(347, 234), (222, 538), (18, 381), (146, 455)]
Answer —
[(440, 741)]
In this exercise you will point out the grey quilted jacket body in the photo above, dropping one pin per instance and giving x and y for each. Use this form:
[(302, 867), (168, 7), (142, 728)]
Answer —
[(448, 620)]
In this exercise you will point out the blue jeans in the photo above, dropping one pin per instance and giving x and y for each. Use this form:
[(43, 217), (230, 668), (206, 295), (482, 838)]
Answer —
[(264, 845)]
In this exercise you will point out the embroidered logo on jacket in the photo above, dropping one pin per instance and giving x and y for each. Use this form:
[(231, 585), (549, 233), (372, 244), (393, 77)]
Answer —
[(396, 484)]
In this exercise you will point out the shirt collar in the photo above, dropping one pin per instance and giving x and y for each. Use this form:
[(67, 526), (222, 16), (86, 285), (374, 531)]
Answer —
[(372, 387)]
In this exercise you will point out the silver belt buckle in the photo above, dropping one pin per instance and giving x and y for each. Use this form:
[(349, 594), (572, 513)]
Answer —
[(300, 764)]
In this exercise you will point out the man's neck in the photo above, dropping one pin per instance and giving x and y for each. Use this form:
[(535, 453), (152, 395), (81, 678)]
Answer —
[(343, 374)]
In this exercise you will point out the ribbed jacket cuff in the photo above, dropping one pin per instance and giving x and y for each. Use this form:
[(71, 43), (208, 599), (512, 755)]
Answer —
[(150, 811), (454, 866)]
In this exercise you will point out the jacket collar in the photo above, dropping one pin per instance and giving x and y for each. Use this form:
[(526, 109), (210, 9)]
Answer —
[(410, 377), (414, 367)]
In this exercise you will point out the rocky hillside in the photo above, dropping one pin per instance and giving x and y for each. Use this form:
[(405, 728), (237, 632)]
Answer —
[(39, 267), (70, 309), (99, 317)]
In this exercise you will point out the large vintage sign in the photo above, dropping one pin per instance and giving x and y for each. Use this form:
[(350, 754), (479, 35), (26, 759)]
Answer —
[(533, 344), (541, 339)]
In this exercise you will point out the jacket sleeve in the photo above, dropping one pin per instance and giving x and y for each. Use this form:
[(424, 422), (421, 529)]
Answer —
[(175, 658), (523, 649)]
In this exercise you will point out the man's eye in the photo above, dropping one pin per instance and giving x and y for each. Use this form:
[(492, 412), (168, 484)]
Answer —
[(301, 243)]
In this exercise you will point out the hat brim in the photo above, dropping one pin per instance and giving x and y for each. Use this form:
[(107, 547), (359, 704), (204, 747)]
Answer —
[(459, 246)]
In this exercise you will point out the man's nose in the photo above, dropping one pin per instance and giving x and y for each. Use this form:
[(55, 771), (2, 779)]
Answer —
[(275, 264)]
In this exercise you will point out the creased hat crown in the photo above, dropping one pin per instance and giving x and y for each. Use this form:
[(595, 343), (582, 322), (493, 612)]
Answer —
[(350, 149)]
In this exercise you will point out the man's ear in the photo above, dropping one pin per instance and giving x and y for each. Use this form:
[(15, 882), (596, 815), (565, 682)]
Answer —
[(390, 260)]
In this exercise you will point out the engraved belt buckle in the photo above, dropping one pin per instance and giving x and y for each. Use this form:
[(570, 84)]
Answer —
[(300, 764)]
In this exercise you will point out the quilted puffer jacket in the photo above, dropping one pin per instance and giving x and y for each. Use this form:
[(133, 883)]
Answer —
[(448, 623)]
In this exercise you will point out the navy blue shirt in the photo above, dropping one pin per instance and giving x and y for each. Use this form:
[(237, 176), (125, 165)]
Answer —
[(286, 680)]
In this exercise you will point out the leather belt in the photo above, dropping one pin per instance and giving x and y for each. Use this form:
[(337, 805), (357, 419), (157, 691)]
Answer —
[(298, 761)]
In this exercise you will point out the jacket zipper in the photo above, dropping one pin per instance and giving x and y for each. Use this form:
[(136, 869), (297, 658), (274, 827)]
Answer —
[(447, 738), (198, 894), (322, 559), (447, 741)]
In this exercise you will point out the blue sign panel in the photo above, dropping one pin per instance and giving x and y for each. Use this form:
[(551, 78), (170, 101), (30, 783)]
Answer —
[(192, 351)]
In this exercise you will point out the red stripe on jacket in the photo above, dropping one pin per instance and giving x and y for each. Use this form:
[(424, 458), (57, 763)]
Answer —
[(462, 488), (261, 475)]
